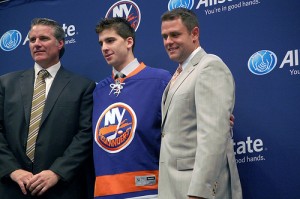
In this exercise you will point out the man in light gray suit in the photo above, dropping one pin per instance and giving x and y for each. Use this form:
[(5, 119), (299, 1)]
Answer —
[(196, 158)]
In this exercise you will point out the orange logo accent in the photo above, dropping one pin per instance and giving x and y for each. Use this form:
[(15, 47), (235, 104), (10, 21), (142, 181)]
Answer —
[(115, 128)]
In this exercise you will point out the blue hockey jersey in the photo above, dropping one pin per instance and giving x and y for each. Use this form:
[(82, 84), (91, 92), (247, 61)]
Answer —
[(126, 126)]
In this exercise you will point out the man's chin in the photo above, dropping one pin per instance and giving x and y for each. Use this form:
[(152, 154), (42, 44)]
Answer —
[(173, 58), (40, 61), (38, 58)]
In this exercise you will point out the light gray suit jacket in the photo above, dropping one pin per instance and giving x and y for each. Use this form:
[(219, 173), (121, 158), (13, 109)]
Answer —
[(197, 157)]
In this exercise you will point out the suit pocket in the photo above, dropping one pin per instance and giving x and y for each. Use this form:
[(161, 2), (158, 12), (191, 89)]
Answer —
[(185, 164)]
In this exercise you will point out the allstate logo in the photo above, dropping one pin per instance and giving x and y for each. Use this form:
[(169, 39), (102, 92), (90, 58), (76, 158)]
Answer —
[(10, 40), (126, 9), (115, 128), (180, 4), (262, 62)]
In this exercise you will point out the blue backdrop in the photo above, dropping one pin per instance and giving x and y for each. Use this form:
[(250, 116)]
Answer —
[(258, 39)]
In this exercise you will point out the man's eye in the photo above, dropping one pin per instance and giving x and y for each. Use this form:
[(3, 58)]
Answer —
[(175, 34), (44, 38)]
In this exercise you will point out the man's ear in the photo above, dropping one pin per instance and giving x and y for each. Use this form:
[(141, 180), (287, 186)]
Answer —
[(60, 44), (195, 33), (129, 42)]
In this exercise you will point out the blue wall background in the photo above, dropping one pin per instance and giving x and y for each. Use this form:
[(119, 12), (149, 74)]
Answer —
[(267, 111)]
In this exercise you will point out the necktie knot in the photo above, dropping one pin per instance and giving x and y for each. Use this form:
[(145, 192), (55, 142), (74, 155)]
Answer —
[(43, 74), (119, 75), (176, 74), (179, 69)]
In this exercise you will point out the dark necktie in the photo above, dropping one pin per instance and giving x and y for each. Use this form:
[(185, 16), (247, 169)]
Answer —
[(118, 76), (37, 107)]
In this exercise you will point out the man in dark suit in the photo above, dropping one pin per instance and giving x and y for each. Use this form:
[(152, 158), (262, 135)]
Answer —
[(58, 164)]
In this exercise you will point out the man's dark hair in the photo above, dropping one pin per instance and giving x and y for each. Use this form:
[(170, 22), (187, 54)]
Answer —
[(188, 17), (59, 33), (120, 25)]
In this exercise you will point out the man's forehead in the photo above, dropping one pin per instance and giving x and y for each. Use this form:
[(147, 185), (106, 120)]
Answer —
[(42, 29), (108, 33)]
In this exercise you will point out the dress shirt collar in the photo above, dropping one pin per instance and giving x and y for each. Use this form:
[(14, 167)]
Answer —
[(52, 69), (129, 68), (185, 63)]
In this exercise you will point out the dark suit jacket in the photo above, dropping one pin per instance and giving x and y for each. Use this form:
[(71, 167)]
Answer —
[(64, 142)]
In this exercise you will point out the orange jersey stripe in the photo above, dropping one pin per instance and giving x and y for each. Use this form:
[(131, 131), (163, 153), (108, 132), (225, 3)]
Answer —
[(136, 71), (123, 183)]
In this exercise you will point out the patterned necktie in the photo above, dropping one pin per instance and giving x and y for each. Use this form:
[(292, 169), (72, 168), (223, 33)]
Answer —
[(176, 74), (37, 107)]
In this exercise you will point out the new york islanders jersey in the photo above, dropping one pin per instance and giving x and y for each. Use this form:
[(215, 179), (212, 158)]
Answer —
[(126, 126)]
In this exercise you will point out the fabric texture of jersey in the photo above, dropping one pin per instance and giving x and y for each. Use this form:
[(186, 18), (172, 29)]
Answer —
[(127, 134)]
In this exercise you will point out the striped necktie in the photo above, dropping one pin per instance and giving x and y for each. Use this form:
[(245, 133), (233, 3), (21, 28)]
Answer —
[(37, 107)]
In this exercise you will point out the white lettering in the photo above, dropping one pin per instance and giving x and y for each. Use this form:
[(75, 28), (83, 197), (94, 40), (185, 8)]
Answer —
[(201, 2), (250, 159), (215, 10), (69, 30), (296, 57), (291, 58), (70, 41), (295, 72), (249, 146), (26, 39), (241, 148), (242, 160), (288, 59), (111, 116), (207, 3), (119, 10), (257, 145), (234, 6), (255, 159)]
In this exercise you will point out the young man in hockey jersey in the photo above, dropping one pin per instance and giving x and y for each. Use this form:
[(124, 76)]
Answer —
[(126, 118)]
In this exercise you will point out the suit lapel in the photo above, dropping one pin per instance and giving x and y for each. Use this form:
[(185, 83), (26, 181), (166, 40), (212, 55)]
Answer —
[(169, 93), (60, 81), (163, 101), (26, 84)]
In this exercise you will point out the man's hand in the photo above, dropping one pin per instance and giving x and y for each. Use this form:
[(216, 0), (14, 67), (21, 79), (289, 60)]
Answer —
[(42, 181), (22, 178), (231, 120)]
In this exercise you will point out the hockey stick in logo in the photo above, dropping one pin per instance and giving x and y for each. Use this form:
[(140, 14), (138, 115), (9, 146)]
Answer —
[(113, 136)]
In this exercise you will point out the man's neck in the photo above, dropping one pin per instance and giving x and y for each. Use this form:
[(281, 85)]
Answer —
[(131, 66)]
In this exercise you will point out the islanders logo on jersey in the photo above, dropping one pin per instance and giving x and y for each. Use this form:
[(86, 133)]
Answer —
[(115, 127)]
